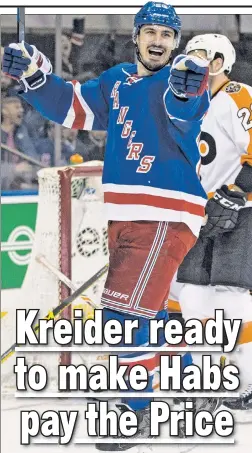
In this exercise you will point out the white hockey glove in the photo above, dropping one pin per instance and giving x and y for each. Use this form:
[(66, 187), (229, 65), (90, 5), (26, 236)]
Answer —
[(26, 64)]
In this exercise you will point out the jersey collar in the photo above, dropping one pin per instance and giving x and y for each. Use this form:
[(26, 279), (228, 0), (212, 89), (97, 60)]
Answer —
[(219, 89)]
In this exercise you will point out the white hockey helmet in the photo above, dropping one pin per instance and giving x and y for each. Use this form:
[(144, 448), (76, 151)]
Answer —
[(213, 43)]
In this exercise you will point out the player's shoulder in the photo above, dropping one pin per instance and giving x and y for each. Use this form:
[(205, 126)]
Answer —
[(121, 70), (116, 75), (239, 92)]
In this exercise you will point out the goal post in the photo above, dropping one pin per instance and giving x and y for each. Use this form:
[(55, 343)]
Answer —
[(66, 176), (71, 232)]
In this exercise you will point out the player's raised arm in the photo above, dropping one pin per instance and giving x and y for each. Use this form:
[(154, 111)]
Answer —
[(69, 103)]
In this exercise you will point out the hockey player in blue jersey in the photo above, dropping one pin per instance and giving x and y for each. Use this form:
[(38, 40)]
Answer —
[(152, 111)]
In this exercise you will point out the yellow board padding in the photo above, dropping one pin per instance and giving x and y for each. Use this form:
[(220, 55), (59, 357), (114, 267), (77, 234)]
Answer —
[(4, 313)]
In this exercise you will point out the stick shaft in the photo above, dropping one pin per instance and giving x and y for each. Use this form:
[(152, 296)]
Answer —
[(62, 277), (21, 24), (58, 310)]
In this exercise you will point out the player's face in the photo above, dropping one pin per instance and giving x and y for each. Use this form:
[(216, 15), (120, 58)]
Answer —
[(66, 46), (155, 44)]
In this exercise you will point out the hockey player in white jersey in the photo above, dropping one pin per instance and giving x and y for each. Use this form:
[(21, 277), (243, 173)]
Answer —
[(217, 272)]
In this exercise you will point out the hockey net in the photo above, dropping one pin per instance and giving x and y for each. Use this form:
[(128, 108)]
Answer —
[(71, 234)]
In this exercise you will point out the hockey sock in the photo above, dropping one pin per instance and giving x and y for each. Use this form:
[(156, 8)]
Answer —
[(186, 357), (148, 360)]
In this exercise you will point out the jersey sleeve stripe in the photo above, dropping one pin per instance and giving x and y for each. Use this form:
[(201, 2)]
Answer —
[(70, 117), (89, 115), (79, 115)]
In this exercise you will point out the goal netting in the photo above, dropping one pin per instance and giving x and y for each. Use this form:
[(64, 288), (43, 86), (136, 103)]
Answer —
[(71, 233)]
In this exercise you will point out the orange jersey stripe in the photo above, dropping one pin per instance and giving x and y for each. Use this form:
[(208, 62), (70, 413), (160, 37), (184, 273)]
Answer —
[(173, 306), (243, 99), (211, 194), (245, 333)]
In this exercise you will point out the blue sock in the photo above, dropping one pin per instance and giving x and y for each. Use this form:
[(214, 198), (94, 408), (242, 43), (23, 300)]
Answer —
[(141, 338)]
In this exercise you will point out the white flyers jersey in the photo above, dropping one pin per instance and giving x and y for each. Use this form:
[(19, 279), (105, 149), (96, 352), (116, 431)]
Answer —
[(226, 137)]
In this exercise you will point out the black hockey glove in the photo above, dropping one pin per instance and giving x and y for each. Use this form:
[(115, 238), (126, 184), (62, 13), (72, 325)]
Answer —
[(222, 211)]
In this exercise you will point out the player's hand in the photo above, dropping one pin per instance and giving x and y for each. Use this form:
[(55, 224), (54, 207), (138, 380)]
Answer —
[(222, 211), (26, 64), (189, 76)]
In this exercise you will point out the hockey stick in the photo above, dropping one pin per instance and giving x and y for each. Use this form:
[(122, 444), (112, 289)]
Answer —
[(21, 24), (63, 278), (56, 311), (23, 156)]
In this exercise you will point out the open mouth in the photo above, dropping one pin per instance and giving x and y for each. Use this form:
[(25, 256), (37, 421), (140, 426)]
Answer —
[(155, 52), (19, 117)]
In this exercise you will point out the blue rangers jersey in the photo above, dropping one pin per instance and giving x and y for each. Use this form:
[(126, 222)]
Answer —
[(150, 167)]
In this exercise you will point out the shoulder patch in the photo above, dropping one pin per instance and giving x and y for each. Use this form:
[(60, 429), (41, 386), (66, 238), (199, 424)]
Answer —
[(233, 87)]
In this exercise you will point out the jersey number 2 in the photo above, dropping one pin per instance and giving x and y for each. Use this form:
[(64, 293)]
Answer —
[(245, 114)]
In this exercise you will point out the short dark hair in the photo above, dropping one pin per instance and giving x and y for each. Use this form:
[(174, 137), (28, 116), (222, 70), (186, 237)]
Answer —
[(219, 55)]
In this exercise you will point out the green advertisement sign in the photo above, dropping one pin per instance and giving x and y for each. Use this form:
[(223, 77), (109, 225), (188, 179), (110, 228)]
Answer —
[(18, 218)]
